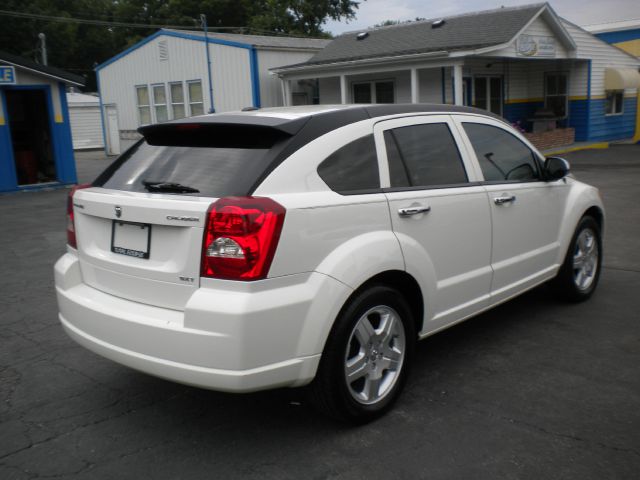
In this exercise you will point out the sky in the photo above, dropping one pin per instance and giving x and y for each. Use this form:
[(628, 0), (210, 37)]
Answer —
[(581, 12)]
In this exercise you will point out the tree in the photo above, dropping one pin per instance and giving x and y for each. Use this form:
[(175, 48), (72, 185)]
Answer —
[(78, 47), (302, 17), (388, 23)]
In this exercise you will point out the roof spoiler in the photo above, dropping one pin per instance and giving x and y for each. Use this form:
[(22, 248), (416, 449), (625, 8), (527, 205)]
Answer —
[(222, 131)]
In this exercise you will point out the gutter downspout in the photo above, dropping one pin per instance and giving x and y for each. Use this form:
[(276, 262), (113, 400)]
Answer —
[(636, 137), (589, 103), (203, 19)]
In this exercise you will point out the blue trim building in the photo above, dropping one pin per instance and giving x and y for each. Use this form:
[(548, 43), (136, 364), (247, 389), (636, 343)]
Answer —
[(36, 149), (556, 81), (175, 73)]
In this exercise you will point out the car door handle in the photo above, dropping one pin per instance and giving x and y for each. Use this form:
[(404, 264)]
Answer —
[(504, 199), (408, 211)]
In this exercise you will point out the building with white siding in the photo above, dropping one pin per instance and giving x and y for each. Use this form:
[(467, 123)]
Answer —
[(167, 76), (624, 34), (553, 79)]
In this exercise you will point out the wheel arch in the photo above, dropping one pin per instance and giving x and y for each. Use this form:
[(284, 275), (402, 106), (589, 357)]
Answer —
[(399, 280), (598, 215), (583, 201), (406, 285)]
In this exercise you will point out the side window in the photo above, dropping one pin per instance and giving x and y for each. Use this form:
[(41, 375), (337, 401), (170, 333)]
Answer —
[(353, 167), (196, 106), (501, 155), (144, 107), (423, 155)]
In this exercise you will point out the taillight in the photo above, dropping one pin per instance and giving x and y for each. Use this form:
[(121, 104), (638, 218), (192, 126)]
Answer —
[(240, 237), (71, 228)]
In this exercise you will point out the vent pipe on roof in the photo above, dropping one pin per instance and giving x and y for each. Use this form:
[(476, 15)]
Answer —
[(43, 48), (362, 35), (438, 23)]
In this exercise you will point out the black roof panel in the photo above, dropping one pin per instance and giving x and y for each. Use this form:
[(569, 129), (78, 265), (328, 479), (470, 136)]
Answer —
[(45, 69)]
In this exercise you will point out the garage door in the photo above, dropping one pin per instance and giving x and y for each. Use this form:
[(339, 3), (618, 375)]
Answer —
[(86, 128)]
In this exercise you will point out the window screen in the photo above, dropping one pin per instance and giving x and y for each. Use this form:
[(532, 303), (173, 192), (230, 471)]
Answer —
[(353, 167), (177, 99), (423, 155), (160, 103), (196, 105), (501, 155), (144, 110)]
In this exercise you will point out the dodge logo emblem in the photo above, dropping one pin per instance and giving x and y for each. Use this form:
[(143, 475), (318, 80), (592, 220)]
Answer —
[(118, 209)]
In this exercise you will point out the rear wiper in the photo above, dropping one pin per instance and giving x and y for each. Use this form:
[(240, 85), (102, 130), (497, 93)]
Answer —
[(168, 187)]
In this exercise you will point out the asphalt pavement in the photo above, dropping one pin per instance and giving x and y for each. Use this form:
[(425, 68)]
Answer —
[(534, 389)]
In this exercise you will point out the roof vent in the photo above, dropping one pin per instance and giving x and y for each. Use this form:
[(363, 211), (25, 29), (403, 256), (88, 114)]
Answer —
[(362, 35), (438, 23), (163, 50)]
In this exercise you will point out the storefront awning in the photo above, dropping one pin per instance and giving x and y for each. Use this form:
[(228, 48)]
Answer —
[(621, 78)]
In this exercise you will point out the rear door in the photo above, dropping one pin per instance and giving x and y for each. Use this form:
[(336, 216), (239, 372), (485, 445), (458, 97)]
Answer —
[(439, 213), (526, 210)]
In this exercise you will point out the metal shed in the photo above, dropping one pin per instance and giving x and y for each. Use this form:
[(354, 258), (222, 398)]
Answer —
[(35, 136)]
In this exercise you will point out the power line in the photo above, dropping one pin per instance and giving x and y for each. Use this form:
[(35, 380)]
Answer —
[(104, 23)]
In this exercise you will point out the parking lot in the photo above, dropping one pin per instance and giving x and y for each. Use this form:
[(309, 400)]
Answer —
[(533, 389)]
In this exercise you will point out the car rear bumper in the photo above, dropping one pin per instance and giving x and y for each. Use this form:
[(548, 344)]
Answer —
[(232, 336)]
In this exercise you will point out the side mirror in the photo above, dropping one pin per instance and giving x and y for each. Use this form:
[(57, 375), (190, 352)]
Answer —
[(556, 168)]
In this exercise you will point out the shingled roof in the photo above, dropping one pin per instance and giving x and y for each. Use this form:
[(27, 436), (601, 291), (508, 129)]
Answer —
[(264, 41), (11, 59), (462, 32)]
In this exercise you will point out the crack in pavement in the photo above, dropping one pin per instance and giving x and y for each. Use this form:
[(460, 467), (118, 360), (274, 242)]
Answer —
[(537, 427), (90, 424)]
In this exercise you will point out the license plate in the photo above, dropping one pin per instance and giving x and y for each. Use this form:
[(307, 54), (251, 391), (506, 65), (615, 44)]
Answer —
[(131, 239)]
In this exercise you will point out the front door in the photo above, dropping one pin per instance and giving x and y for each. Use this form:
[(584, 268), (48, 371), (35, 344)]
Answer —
[(29, 123), (488, 94), (526, 211), (441, 218)]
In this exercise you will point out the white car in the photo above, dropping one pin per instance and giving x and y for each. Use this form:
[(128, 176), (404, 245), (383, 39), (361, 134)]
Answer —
[(314, 245)]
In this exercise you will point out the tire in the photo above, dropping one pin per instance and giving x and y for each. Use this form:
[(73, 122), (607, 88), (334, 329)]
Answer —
[(578, 277), (373, 339)]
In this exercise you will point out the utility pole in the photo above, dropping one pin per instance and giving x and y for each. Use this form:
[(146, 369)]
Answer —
[(203, 20), (43, 47)]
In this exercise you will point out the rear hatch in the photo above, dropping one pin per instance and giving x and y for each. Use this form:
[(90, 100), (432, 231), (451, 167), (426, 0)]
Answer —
[(139, 228)]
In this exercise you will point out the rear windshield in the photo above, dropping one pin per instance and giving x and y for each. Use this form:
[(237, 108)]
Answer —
[(214, 172)]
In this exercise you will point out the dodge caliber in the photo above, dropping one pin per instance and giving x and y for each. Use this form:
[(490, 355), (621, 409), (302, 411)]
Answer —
[(313, 246)]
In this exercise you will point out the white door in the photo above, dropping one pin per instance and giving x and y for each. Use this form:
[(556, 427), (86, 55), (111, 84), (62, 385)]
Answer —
[(86, 128), (526, 211), (113, 132), (440, 217)]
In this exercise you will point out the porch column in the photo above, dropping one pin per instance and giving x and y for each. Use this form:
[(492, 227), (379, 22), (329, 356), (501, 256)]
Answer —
[(286, 92), (457, 85), (343, 89), (415, 86)]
